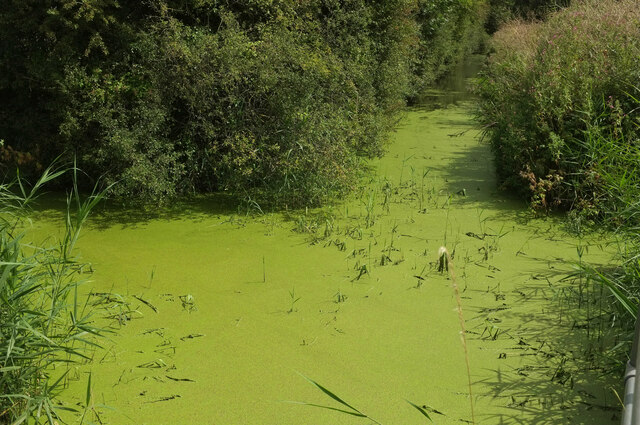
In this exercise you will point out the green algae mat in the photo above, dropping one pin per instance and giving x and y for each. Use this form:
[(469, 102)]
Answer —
[(221, 314)]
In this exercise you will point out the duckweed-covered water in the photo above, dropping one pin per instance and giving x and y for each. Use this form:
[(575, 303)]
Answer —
[(228, 310)]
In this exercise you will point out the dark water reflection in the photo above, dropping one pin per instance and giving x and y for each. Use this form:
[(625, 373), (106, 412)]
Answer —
[(453, 88)]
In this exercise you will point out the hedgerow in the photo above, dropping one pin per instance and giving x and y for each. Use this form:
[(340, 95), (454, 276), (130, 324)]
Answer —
[(278, 101)]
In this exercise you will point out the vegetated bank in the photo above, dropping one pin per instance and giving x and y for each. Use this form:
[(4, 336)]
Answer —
[(275, 101), (559, 100)]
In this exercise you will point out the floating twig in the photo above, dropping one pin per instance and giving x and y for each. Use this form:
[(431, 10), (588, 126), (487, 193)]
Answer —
[(171, 397), (147, 303), (180, 379)]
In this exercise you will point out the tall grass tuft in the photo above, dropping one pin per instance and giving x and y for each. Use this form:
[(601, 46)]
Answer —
[(43, 326)]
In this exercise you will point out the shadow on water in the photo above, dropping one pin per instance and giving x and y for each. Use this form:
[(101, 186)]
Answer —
[(109, 213), (470, 171), (567, 375), (561, 383)]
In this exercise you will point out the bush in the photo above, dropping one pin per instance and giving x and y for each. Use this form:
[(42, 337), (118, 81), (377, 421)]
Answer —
[(560, 110), (278, 101)]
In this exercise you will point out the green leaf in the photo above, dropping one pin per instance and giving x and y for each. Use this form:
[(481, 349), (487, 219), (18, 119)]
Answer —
[(420, 409), (9, 368), (330, 394), (348, 412), (88, 391)]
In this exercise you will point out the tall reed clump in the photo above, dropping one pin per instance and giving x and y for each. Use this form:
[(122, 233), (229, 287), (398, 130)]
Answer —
[(43, 327), (560, 109)]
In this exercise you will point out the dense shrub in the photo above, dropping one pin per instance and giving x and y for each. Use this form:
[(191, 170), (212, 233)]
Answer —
[(558, 100), (278, 101)]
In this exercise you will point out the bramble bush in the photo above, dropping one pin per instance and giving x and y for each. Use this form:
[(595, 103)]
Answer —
[(559, 104)]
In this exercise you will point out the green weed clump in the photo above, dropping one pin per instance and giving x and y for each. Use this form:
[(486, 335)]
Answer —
[(559, 102), (43, 326)]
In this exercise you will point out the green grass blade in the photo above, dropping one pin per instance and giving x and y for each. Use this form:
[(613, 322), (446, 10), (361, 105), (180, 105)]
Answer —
[(57, 382), (330, 394), (614, 287), (88, 391), (625, 301), (420, 409), (348, 412), (9, 368)]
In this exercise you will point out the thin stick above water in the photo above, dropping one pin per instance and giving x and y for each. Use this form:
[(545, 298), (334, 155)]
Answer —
[(443, 254)]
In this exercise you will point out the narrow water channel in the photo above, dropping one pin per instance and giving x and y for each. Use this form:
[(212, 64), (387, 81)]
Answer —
[(227, 310)]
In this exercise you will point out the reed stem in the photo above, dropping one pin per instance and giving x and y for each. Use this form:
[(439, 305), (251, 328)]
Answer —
[(443, 252)]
